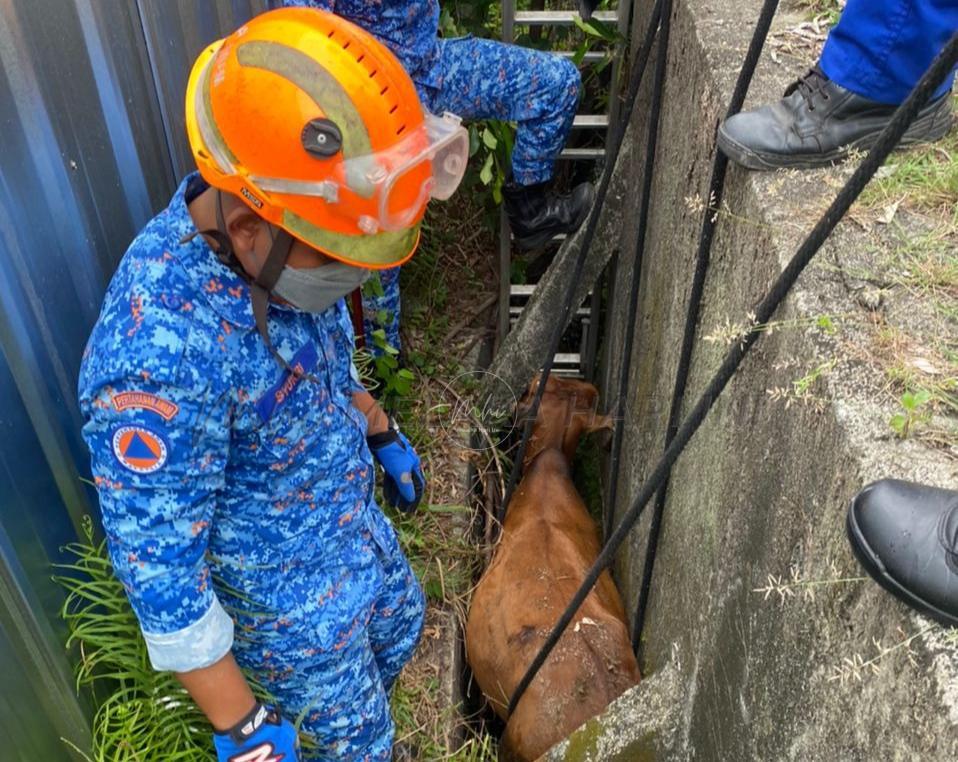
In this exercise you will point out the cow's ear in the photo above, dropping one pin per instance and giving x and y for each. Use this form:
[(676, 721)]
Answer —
[(600, 423)]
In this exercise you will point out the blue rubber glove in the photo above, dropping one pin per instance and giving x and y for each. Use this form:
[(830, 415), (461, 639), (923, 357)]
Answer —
[(403, 483), (262, 736)]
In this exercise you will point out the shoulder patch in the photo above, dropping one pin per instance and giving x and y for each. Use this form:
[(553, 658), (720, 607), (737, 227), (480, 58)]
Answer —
[(140, 450), (146, 401)]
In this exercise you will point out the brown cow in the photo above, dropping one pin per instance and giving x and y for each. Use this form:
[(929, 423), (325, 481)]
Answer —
[(548, 543)]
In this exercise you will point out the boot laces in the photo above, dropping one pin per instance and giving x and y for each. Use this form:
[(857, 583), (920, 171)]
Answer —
[(808, 85)]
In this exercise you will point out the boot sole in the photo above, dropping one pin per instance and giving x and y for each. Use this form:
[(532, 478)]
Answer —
[(877, 571), (925, 129), (540, 239)]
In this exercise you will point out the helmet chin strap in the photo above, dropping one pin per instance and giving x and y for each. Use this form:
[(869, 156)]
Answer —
[(262, 285)]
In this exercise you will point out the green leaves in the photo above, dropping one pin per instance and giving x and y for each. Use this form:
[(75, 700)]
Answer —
[(912, 401), (826, 325), (141, 715), (598, 29), (912, 413), (485, 174), (373, 286)]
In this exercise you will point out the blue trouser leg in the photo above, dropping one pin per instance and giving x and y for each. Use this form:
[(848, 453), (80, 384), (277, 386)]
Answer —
[(382, 311), (349, 713), (336, 652), (880, 48), (400, 610), (484, 79)]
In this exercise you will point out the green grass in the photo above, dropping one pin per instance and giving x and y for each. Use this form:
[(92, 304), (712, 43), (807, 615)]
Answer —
[(424, 740), (140, 715), (146, 716), (440, 551), (924, 178), (916, 199), (440, 285), (831, 9)]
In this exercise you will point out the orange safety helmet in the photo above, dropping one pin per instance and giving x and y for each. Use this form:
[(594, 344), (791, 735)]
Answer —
[(318, 128)]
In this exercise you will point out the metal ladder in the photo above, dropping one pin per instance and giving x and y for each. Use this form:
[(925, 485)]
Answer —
[(512, 298)]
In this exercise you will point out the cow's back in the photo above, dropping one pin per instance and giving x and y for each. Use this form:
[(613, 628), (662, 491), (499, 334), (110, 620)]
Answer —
[(548, 544)]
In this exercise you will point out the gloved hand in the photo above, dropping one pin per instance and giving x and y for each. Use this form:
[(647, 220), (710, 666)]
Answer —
[(262, 736), (404, 483)]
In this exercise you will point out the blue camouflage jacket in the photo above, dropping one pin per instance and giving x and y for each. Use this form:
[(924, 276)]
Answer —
[(409, 28), (217, 471)]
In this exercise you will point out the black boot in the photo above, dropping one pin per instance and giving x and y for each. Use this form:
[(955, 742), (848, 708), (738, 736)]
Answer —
[(817, 123), (537, 214), (587, 8), (906, 537)]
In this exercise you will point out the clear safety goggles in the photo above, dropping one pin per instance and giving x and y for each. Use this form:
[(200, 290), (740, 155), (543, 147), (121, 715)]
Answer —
[(394, 177)]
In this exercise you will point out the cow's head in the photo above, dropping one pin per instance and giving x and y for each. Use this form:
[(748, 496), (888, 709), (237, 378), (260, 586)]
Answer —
[(569, 409)]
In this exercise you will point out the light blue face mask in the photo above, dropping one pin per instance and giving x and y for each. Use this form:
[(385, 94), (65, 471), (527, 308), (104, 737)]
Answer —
[(316, 289)]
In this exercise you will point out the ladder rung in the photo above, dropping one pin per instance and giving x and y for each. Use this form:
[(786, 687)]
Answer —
[(555, 18), (595, 121), (556, 237), (582, 153), (582, 312), (526, 289), (593, 56), (568, 359)]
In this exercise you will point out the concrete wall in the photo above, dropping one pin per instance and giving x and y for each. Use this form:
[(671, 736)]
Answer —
[(763, 488)]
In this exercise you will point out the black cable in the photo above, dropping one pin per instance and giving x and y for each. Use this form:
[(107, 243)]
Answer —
[(706, 235), (614, 146), (887, 140), (655, 112)]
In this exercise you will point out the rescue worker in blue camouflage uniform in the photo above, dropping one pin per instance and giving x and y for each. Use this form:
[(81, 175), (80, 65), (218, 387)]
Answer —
[(481, 79), (232, 443), (871, 61)]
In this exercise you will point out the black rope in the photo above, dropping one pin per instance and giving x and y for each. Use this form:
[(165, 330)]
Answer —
[(655, 112), (612, 154), (706, 235), (887, 140)]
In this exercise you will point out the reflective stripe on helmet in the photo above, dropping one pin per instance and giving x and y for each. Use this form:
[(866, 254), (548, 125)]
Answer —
[(212, 137), (318, 83), (375, 251)]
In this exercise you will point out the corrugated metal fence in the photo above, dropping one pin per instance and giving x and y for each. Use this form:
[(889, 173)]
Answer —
[(91, 143)]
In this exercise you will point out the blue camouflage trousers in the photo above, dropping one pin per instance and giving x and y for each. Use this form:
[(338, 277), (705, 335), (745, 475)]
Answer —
[(485, 79), (330, 666), (381, 308)]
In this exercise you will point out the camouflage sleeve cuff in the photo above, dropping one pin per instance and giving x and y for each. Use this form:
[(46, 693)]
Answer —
[(199, 645)]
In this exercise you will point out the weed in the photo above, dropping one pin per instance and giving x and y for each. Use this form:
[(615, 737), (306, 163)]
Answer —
[(922, 383), (141, 715), (802, 388), (729, 333), (913, 412), (796, 585), (856, 667), (923, 179), (441, 553), (425, 741)]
